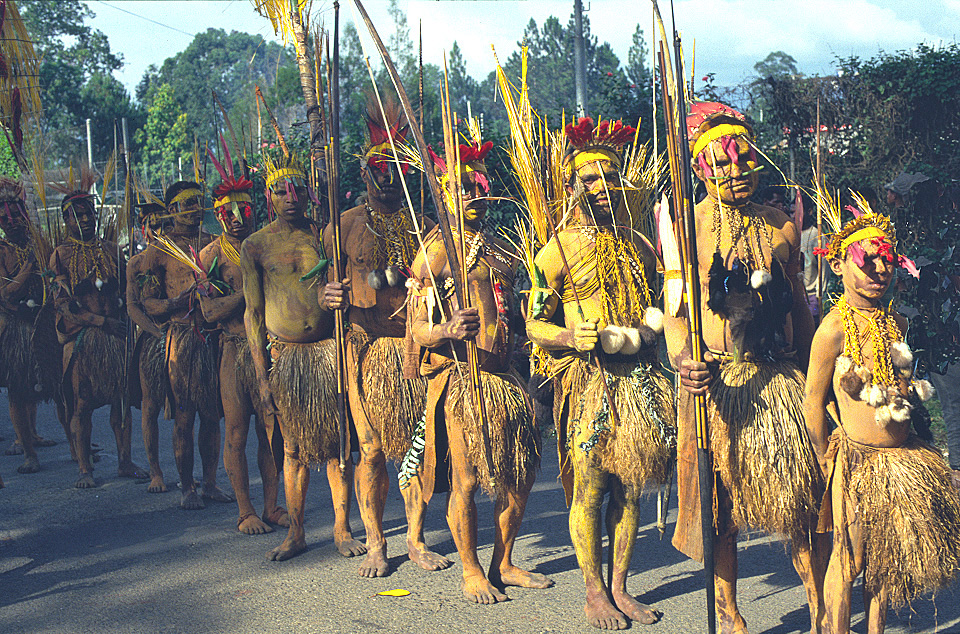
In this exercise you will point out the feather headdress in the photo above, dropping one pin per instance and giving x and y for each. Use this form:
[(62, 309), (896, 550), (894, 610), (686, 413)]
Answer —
[(232, 195), (377, 149), (587, 142)]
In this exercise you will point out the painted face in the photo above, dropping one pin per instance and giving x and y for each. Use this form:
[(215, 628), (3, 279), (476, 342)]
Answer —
[(473, 191), (867, 281), (81, 219), (189, 212), (289, 198), (236, 227), (729, 169), (13, 219), (602, 189), (384, 183)]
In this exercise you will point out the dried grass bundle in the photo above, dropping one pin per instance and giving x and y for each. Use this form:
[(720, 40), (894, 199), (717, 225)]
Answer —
[(761, 447), (98, 354), (193, 366)]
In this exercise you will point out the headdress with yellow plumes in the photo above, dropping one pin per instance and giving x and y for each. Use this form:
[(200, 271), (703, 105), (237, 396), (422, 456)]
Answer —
[(587, 143), (472, 155), (285, 168), (377, 148)]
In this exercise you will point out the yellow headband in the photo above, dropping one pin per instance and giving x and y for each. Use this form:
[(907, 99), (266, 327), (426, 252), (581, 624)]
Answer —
[(592, 156), (862, 234), (233, 197), (185, 195), (716, 132), (282, 173)]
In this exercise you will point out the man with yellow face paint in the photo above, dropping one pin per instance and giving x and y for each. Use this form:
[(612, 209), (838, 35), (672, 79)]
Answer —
[(501, 451), (600, 331), (757, 328)]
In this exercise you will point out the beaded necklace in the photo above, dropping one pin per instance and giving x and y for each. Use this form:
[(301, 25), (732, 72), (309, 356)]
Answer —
[(740, 226), (229, 250), (624, 291), (395, 245), (89, 258), (883, 331)]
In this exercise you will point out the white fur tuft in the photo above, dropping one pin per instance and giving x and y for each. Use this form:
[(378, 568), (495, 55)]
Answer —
[(631, 342), (31, 303), (900, 410), (759, 278), (99, 283), (883, 415), (374, 280), (923, 389), (900, 354), (612, 339), (410, 283), (393, 276), (653, 318), (873, 395), (843, 364)]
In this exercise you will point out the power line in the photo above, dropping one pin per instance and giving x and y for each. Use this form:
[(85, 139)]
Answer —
[(137, 15)]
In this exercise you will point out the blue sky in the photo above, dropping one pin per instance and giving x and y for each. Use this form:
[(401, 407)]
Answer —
[(812, 31)]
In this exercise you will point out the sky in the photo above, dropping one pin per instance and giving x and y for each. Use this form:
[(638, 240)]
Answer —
[(814, 32)]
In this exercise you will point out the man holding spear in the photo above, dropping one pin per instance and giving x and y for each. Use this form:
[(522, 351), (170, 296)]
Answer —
[(756, 328), (379, 243)]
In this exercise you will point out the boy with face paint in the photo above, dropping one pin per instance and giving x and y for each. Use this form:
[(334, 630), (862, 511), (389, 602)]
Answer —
[(91, 326), (890, 502), (149, 352), (379, 244), (607, 313), (190, 349), (757, 329), (221, 299), (501, 453), (289, 332), (21, 298)]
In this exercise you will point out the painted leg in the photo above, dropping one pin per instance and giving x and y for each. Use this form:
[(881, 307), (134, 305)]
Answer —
[(589, 486), (341, 483), (122, 423), (272, 512), (372, 486), (183, 456), (846, 561), (508, 514), (416, 509), (81, 426), (810, 557), (623, 521), (876, 607), (20, 417), (208, 440), (296, 479), (725, 584)]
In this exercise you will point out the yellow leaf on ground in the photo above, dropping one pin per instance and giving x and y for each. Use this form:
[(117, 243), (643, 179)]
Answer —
[(394, 593)]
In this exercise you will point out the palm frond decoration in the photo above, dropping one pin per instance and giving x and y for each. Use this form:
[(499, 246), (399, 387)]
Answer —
[(278, 12), (20, 106)]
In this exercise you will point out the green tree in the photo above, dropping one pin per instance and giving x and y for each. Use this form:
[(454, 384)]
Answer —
[(776, 64), (164, 138), (105, 101)]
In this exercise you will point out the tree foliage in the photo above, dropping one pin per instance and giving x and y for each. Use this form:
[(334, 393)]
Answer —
[(164, 138)]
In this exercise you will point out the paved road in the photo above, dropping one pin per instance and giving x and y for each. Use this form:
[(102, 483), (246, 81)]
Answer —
[(117, 559)]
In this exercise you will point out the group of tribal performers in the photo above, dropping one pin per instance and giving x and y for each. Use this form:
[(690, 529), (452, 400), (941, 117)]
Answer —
[(253, 318)]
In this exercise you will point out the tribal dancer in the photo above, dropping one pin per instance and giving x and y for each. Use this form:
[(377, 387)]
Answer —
[(92, 329), (379, 244), (221, 298), (21, 299), (757, 327), (190, 346), (501, 452), (293, 355), (143, 285), (894, 513), (618, 446)]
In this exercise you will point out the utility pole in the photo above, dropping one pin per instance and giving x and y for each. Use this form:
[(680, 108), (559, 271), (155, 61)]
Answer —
[(93, 188), (579, 59)]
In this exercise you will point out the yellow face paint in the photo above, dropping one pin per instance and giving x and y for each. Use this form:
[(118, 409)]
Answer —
[(714, 133)]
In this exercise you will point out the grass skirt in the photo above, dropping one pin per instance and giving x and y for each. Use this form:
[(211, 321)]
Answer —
[(761, 448), (514, 442), (247, 382), (908, 512), (394, 405), (193, 365), (97, 360), (642, 447), (19, 372), (304, 383)]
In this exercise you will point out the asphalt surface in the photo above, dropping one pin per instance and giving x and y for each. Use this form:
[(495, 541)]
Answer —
[(118, 559)]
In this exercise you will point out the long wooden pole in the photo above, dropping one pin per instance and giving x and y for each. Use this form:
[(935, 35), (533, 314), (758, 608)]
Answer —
[(819, 179)]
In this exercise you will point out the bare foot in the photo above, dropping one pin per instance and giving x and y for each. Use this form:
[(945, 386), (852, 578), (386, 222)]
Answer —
[(514, 576), (130, 470), (479, 590), (375, 563), (636, 611), (427, 559), (85, 481), (15, 449), (30, 465), (278, 516), (214, 493), (40, 441), (289, 548), (190, 501), (603, 615), (156, 485), (250, 524), (349, 547), (734, 625)]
